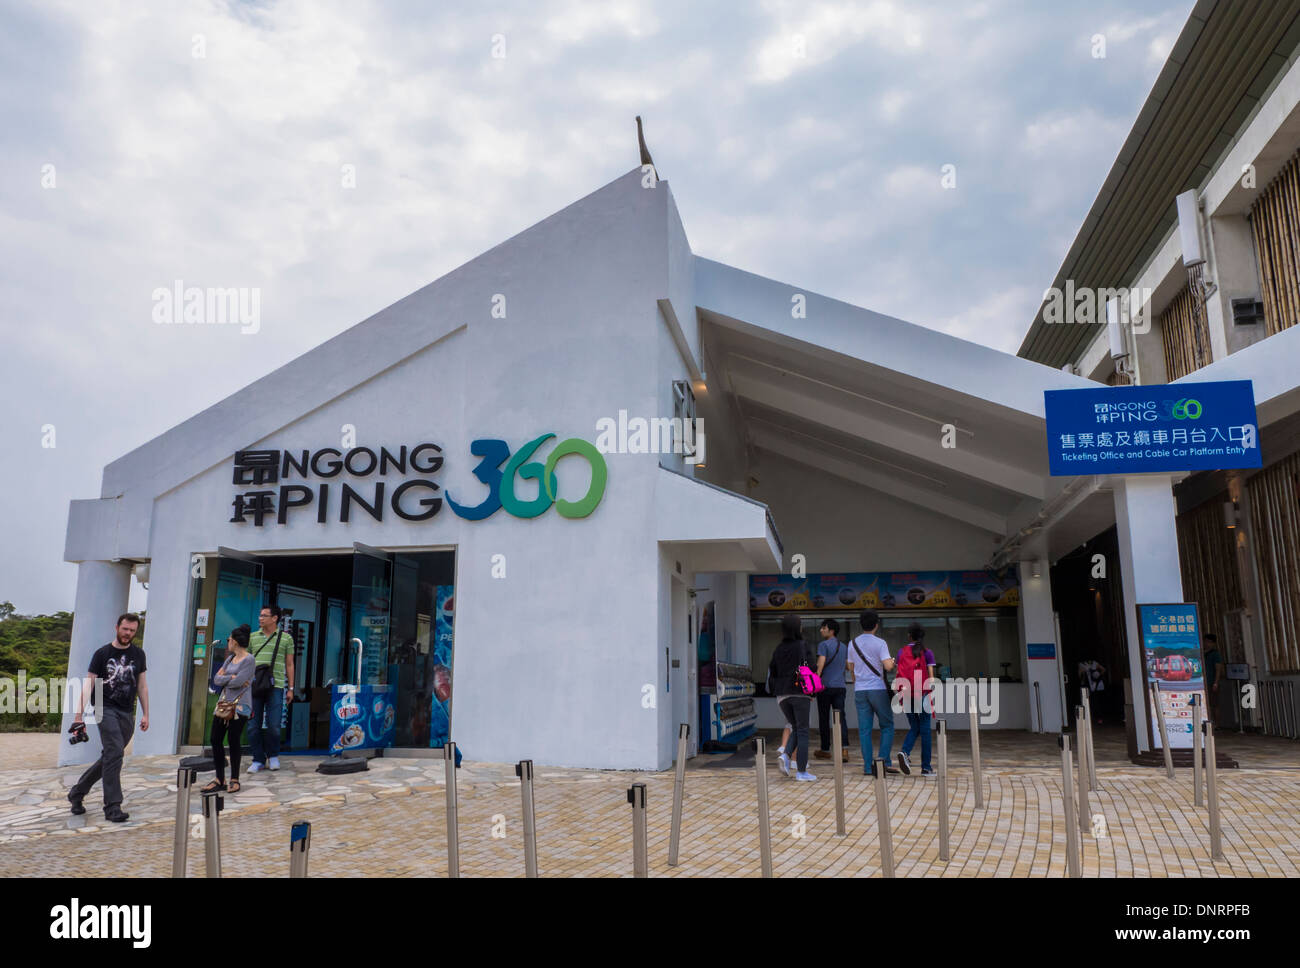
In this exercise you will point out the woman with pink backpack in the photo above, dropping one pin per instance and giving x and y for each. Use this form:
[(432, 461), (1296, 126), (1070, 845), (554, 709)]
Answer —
[(915, 669), (791, 689)]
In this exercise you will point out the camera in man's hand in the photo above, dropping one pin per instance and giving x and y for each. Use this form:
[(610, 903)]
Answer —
[(78, 731)]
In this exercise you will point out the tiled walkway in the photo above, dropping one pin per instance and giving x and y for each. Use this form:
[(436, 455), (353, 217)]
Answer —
[(390, 821)]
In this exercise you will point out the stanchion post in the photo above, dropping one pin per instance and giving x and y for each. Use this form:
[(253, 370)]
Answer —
[(1073, 864), (453, 818), (837, 751), (299, 848), (943, 791), (524, 770), (1092, 751), (679, 790), (1196, 752), (212, 806), (185, 779), (1038, 705), (1212, 783), (973, 715), (882, 820), (764, 829), (640, 857), (1081, 730), (1164, 733)]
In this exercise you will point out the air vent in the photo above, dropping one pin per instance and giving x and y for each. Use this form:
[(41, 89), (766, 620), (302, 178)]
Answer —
[(1247, 312)]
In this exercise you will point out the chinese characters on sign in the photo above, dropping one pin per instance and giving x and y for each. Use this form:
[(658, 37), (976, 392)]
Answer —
[(1171, 648)]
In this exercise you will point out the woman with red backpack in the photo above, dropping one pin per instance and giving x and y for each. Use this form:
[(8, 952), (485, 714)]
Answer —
[(915, 668)]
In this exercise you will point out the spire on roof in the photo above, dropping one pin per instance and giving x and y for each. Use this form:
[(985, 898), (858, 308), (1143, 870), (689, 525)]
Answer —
[(640, 137)]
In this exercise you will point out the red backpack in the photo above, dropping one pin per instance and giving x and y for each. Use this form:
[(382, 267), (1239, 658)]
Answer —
[(909, 663)]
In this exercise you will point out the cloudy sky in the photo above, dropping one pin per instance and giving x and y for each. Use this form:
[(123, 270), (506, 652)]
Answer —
[(205, 140)]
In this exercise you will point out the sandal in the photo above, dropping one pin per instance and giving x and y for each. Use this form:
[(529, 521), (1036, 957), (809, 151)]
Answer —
[(234, 786), (214, 787)]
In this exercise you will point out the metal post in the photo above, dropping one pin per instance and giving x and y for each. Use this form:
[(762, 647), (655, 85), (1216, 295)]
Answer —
[(837, 751), (882, 820), (1266, 706), (679, 789), (1212, 783), (640, 859), (1241, 713), (1072, 861), (453, 818), (524, 770), (1038, 705), (212, 806), (299, 848), (1081, 729), (1196, 752), (1164, 733), (1291, 710), (185, 780), (1092, 752), (764, 830), (973, 715), (943, 791)]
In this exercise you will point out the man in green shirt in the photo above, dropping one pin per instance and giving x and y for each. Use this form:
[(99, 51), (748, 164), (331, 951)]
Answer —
[(264, 741)]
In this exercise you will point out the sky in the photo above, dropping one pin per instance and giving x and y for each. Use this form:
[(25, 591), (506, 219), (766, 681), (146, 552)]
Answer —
[(336, 155)]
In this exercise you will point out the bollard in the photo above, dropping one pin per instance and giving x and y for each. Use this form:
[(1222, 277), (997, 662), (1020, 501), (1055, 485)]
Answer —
[(764, 829), (943, 791), (1164, 734), (453, 818), (1038, 705), (837, 751), (1072, 860), (679, 787), (973, 714), (1196, 752), (524, 770), (299, 848), (212, 807), (640, 859), (185, 780), (882, 820), (1092, 752), (1081, 729), (1212, 784)]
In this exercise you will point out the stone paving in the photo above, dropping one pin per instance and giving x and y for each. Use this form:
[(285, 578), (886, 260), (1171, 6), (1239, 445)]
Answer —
[(390, 820)]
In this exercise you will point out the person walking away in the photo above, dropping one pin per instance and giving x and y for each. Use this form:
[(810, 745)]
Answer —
[(831, 655), (121, 666), (1213, 669), (270, 646), (1093, 675), (790, 699), (235, 705), (868, 661), (916, 675)]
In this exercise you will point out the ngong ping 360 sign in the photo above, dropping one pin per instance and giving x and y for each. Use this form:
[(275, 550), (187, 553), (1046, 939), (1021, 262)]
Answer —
[(287, 482)]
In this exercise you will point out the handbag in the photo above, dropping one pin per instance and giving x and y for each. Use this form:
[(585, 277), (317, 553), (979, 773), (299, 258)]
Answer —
[(225, 709), (264, 675)]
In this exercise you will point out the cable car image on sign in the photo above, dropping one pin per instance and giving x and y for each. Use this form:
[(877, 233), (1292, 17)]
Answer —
[(1149, 429)]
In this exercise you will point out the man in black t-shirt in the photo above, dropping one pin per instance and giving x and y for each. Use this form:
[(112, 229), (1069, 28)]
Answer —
[(121, 666)]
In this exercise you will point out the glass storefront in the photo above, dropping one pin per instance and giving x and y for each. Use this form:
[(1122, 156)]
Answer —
[(967, 643)]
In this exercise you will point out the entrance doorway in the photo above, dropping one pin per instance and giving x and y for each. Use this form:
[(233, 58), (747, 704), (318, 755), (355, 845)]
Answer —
[(369, 618)]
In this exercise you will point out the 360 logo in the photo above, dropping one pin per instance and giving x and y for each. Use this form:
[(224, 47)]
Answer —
[(500, 480), (1184, 409)]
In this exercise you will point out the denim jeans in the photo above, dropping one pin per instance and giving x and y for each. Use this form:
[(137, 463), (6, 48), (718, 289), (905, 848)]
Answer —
[(264, 742), (874, 702), (918, 723)]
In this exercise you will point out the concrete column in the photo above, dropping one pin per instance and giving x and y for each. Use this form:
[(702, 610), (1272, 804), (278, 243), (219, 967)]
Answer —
[(1039, 625), (1237, 276), (103, 588), (1145, 513)]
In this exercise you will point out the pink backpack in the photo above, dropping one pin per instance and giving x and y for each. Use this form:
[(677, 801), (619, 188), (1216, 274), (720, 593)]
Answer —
[(809, 682)]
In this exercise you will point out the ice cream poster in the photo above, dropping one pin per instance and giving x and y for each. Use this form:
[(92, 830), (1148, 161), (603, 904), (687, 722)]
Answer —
[(361, 717), (440, 715)]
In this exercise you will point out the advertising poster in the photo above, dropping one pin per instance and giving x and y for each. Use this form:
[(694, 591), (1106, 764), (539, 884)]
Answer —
[(1171, 648), (900, 589), (440, 715), (361, 717)]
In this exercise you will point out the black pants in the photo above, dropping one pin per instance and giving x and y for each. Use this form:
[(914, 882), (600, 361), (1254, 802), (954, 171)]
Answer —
[(827, 700), (116, 727), (221, 729), (796, 709)]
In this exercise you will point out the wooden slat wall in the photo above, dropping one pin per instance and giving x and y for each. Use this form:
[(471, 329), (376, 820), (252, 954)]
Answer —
[(1275, 524), (1207, 549), (1275, 224), (1186, 337)]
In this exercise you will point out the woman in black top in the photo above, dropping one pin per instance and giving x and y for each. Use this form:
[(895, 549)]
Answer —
[(786, 660)]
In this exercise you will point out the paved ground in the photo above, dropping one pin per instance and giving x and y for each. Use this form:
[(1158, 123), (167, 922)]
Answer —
[(390, 821)]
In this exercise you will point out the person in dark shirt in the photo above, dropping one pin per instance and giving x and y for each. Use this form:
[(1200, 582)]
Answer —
[(121, 666), (786, 660), (1213, 672)]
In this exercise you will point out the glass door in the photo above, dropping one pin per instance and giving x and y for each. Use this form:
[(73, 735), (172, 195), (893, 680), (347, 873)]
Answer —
[(372, 592)]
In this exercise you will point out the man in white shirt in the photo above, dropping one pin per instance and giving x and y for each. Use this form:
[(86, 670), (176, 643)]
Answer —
[(868, 661)]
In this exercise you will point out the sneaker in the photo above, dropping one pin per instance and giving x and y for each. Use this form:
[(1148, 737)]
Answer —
[(927, 773), (845, 756), (783, 762), (77, 808), (275, 763), (889, 770), (905, 763), (255, 767), (822, 754), (804, 776), (114, 814)]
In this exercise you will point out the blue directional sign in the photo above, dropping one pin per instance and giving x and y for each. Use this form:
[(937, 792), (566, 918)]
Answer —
[(1147, 429)]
